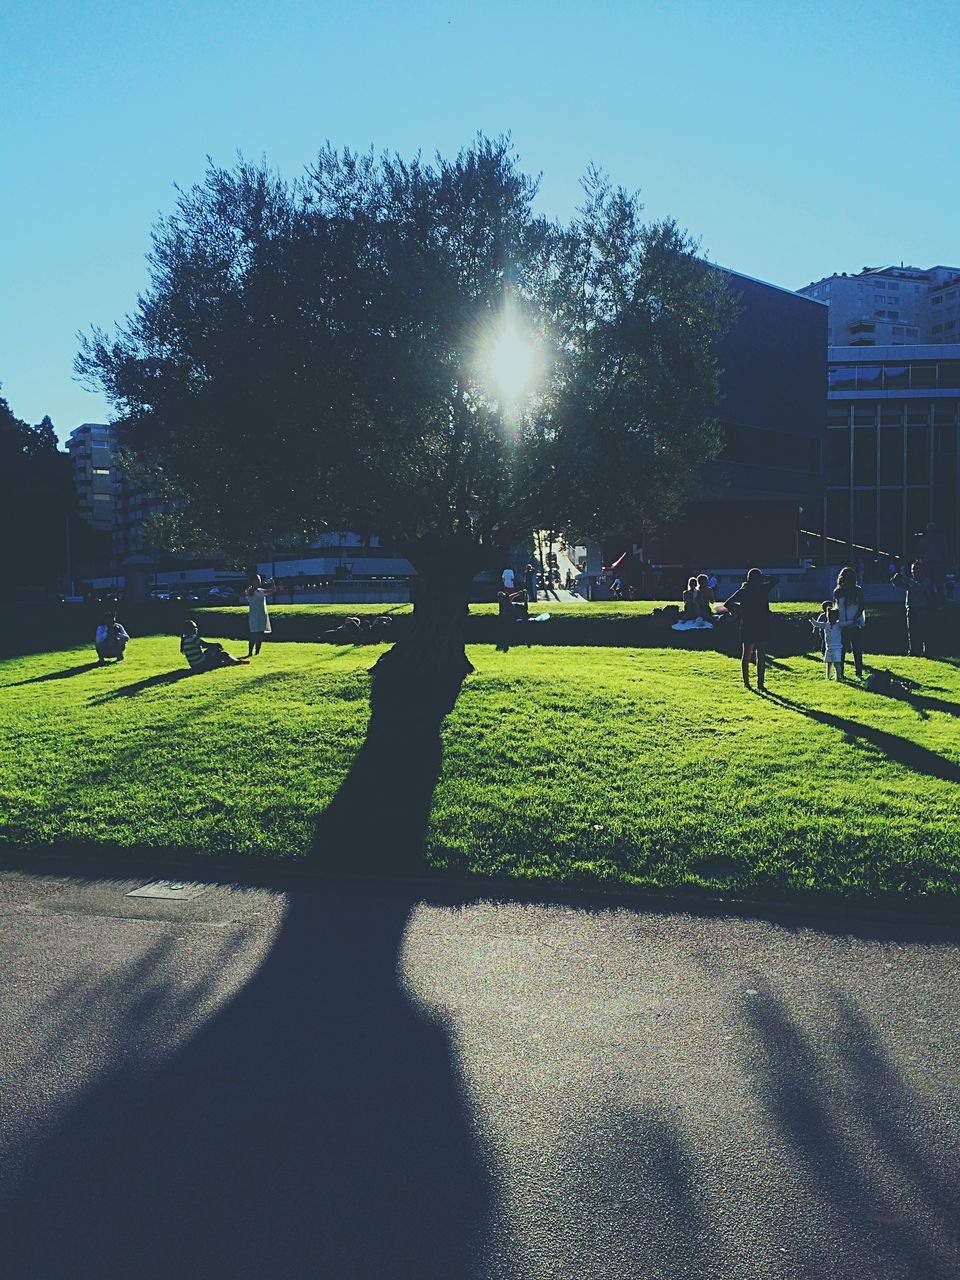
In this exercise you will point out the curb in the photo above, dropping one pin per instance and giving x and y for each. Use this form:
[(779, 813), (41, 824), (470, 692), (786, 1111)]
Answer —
[(441, 889)]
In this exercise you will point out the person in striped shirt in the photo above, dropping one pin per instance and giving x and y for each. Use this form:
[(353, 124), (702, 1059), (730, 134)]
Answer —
[(205, 655)]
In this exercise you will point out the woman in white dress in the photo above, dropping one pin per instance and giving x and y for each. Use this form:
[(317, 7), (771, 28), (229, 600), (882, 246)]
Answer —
[(256, 593)]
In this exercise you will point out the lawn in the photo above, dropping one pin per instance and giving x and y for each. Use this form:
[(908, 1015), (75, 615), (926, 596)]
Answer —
[(650, 767)]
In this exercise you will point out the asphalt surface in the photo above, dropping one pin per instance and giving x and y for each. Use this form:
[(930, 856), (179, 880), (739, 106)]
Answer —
[(250, 1083)]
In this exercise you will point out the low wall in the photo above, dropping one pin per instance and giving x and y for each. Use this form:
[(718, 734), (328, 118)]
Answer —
[(36, 628)]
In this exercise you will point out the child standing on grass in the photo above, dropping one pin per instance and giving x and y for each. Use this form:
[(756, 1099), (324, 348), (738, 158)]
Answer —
[(829, 624)]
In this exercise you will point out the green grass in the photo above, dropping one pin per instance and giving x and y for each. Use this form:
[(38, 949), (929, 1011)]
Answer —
[(649, 767)]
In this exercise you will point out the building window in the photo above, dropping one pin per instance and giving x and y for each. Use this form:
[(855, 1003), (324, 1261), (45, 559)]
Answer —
[(891, 455), (842, 377), (101, 471), (898, 328), (865, 455), (918, 455), (868, 377), (838, 456), (896, 377), (949, 375), (937, 301), (923, 376), (911, 333)]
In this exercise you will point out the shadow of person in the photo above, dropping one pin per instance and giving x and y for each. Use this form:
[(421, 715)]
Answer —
[(902, 751), (315, 1126), (150, 682), (57, 675)]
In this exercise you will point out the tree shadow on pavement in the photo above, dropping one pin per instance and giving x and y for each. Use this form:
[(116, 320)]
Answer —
[(315, 1125), (900, 750), (879, 1203)]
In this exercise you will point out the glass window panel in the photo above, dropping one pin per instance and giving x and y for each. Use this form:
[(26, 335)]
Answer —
[(891, 415), (838, 417), (896, 377), (918, 513), (890, 522), (865, 518), (949, 374), (842, 377), (923, 377), (918, 455), (865, 456), (891, 455), (868, 377), (838, 456), (864, 415), (918, 415), (838, 515)]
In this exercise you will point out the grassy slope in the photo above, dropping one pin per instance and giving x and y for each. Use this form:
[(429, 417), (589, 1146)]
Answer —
[(649, 767)]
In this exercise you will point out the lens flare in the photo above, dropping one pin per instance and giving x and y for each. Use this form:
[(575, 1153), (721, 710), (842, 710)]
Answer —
[(511, 360)]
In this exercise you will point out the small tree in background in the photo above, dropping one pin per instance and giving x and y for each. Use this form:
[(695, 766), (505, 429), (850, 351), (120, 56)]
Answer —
[(409, 349)]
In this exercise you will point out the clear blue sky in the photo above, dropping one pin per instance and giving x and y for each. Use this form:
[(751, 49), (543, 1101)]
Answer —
[(794, 138)]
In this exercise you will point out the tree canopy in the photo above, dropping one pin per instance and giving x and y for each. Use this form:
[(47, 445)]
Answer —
[(409, 348), (37, 499)]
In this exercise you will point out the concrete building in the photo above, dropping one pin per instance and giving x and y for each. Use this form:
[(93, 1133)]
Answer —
[(90, 447), (761, 501), (893, 450), (890, 306)]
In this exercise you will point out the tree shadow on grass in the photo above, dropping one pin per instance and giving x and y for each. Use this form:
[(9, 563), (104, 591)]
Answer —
[(314, 1126), (900, 750)]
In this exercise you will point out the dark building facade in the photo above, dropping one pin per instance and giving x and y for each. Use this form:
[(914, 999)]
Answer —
[(761, 501), (893, 450)]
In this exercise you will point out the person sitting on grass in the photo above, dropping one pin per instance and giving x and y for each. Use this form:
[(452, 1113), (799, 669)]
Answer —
[(691, 606), (111, 639), (829, 624), (205, 655), (360, 630), (705, 598)]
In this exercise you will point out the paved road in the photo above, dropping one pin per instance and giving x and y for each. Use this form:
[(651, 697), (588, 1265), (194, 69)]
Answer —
[(257, 1084)]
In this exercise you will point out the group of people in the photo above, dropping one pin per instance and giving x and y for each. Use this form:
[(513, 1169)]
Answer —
[(698, 601), (207, 655), (841, 622)]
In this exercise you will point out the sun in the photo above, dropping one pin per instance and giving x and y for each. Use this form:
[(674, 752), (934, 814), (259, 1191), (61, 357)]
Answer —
[(514, 363), (511, 360)]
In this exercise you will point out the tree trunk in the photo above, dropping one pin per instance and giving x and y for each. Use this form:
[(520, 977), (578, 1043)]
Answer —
[(423, 671)]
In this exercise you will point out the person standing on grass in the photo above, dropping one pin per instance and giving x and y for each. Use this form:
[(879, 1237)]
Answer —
[(111, 639), (530, 582), (204, 655), (256, 592), (919, 604), (752, 601), (829, 625), (507, 579), (851, 604)]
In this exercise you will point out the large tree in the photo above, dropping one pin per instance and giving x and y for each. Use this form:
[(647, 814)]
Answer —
[(409, 348)]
